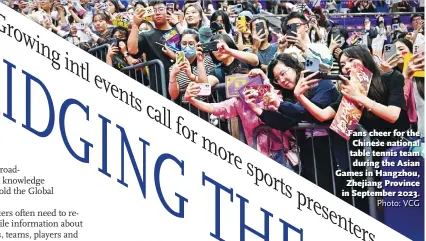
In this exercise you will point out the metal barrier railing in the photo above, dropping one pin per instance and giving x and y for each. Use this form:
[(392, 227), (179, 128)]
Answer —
[(156, 79), (226, 125), (332, 163), (100, 52)]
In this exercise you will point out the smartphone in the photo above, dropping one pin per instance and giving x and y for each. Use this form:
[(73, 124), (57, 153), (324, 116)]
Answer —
[(209, 47), (313, 65), (214, 26), (64, 2), (149, 11), (80, 26), (241, 21), (180, 57), (418, 48), (260, 27), (205, 89), (389, 51), (335, 32), (395, 26), (237, 8), (113, 41), (103, 6), (170, 7), (80, 10), (292, 30), (324, 75)]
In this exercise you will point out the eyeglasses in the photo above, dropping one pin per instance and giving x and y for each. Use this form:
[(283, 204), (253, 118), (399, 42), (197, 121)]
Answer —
[(160, 10), (282, 75), (298, 25), (190, 44)]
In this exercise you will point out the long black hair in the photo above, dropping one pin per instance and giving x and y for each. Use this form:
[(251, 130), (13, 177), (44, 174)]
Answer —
[(377, 88), (226, 23), (406, 42), (200, 12), (377, 20), (122, 30), (291, 62)]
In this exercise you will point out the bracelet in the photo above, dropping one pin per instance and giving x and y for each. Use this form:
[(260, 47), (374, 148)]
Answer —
[(372, 106)]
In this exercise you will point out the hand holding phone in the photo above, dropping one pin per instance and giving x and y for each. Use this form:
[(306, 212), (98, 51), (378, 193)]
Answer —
[(260, 28), (389, 51), (180, 58), (209, 47), (292, 30), (242, 24), (257, 91), (204, 89), (149, 11), (312, 65), (80, 26)]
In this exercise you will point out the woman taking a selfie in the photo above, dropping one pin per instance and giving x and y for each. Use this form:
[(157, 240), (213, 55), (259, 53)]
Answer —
[(275, 148), (287, 75), (384, 107)]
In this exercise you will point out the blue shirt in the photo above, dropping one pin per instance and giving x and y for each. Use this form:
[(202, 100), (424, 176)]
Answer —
[(290, 114)]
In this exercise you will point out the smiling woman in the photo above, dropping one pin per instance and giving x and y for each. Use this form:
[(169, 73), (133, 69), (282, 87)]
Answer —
[(288, 77), (194, 16)]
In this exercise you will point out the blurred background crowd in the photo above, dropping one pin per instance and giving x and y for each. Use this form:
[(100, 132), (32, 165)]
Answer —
[(167, 46)]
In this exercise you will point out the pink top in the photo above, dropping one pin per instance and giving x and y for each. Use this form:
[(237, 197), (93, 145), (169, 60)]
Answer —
[(409, 99), (235, 107)]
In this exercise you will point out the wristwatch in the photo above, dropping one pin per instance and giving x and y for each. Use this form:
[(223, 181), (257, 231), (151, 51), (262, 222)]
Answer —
[(126, 54)]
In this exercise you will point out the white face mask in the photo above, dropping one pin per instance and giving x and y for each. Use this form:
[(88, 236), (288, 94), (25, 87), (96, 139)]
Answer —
[(232, 20), (54, 15)]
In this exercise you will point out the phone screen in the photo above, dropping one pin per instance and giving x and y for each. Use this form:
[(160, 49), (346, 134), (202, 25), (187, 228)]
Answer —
[(209, 47), (293, 30), (170, 7), (259, 27)]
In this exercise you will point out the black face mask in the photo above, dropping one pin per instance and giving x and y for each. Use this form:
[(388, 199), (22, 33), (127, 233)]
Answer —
[(381, 22)]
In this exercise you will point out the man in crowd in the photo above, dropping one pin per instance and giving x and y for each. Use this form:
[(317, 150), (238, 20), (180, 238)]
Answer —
[(299, 43), (418, 25), (261, 46), (150, 42)]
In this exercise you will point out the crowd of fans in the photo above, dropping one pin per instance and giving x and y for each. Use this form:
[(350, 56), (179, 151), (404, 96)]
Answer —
[(395, 99)]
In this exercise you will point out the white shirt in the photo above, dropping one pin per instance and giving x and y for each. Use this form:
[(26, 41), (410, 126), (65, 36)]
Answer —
[(420, 39)]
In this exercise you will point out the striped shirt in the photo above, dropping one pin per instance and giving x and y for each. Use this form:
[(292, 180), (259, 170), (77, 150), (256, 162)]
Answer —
[(183, 80)]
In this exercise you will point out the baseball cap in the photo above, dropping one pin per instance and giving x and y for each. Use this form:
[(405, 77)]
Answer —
[(247, 14)]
